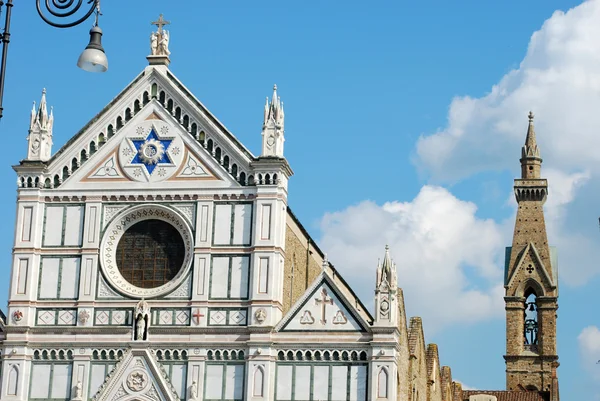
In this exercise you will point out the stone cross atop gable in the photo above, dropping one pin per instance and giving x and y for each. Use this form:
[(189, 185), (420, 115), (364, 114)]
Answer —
[(159, 43)]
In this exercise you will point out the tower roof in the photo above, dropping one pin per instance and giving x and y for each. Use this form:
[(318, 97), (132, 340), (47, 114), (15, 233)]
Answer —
[(530, 149)]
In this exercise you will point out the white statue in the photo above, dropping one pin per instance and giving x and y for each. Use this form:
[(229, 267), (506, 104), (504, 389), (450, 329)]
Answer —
[(164, 43), (142, 318), (154, 43), (194, 391), (78, 392)]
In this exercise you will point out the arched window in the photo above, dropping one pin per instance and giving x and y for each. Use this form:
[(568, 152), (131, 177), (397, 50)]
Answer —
[(382, 383), (530, 330)]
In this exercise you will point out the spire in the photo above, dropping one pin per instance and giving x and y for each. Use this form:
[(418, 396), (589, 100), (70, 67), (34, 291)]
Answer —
[(40, 116), (531, 160), (386, 302), (274, 111), (40, 131), (272, 130), (386, 267)]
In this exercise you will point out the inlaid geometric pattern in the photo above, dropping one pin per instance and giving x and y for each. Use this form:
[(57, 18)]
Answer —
[(102, 317), (171, 317), (46, 317), (118, 317), (49, 317), (227, 317), (67, 317)]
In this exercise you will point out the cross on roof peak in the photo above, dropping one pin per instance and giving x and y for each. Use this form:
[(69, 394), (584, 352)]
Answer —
[(160, 23)]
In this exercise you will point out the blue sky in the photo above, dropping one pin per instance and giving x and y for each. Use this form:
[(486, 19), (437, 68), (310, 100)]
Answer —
[(404, 123)]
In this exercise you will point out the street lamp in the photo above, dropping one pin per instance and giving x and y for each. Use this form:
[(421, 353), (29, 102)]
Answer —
[(92, 59)]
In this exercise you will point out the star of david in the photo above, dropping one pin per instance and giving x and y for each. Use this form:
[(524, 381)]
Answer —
[(151, 151)]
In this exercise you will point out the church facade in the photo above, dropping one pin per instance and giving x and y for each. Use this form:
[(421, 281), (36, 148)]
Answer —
[(156, 258)]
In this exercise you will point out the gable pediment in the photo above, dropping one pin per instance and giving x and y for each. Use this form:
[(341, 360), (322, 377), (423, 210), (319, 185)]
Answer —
[(323, 308), (138, 375), (152, 149), (529, 261), (208, 155)]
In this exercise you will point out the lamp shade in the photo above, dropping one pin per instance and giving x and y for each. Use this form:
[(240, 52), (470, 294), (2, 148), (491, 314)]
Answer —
[(93, 58)]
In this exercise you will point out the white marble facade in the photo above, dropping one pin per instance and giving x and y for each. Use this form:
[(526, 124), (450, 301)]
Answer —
[(77, 328)]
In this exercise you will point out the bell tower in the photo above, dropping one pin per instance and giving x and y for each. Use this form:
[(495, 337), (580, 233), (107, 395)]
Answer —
[(531, 283)]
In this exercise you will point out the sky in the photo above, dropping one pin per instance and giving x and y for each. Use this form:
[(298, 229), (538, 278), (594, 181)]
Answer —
[(404, 126)]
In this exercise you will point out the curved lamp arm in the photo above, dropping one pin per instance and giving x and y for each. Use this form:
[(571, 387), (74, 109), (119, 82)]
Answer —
[(64, 9)]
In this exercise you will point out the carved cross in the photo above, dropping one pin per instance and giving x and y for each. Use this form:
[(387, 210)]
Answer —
[(160, 23), (324, 300), (197, 315), (530, 269)]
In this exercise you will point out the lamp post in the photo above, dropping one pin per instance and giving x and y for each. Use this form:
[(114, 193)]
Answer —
[(92, 59)]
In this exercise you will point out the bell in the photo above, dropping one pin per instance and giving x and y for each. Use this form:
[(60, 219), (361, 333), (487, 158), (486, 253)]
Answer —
[(531, 308)]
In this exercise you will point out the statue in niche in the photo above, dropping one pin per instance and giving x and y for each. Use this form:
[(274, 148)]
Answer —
[(141, 321), (78, 392), (194, 391)]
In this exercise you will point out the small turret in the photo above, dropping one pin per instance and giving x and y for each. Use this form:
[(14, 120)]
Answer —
[(531, 161), (386, 302), (273, 127), (40, 132)]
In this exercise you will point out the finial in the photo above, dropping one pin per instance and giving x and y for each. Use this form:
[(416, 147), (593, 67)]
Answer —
[(275, 87), (531, 115), (325, 262), (387, 247)]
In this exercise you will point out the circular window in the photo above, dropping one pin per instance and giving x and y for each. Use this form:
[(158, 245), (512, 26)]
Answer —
[(150, 253), (146, 251)]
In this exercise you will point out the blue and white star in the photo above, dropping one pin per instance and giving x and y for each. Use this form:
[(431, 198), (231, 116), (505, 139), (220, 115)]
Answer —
[(151, 151)]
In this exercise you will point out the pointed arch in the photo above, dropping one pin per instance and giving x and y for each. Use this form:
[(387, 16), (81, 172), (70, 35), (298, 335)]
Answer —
[(13, 380), (258, 382), (382, 383), (529, 286)]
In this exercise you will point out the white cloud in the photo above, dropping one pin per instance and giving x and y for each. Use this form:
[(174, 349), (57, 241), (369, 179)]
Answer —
[(559, 78), (448, 259), (589, 348)]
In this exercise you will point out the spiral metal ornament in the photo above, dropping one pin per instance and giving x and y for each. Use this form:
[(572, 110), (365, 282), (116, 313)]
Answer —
[(69, 9)]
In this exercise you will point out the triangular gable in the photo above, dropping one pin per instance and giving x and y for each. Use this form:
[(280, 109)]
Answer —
[(209, 145), (530, 248), (137, 375), (151, 148), (323, 307)]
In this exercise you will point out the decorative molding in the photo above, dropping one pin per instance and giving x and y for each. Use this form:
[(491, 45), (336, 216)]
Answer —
[(110, 211), (115, 231), (183, 291), (152, 152), (105, 292)]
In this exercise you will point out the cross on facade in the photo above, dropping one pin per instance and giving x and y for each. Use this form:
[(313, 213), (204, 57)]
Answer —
[(197, 315), (323, 300), (530, 269), (160, 23)]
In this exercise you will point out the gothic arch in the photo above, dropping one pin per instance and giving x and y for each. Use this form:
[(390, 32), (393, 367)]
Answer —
[(382, 383), (13, 380), (258, 382), (528, 286)]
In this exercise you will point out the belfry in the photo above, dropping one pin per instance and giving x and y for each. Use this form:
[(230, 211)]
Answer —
[(531, 282)]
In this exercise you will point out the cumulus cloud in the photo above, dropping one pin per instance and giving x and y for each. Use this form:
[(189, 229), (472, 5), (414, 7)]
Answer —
[(447, 258), (559, 78), (589, 348)]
